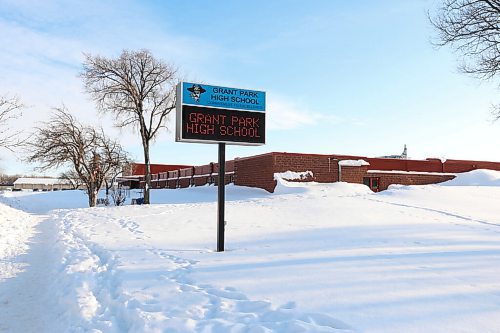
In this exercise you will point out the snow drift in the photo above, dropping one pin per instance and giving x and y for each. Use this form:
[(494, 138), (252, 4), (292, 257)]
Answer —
[(475, 178)]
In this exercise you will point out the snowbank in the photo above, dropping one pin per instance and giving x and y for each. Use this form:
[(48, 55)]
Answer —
[(478, 177), (16, 227)]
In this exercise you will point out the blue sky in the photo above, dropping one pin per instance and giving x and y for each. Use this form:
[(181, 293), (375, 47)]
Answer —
[(346, 77)]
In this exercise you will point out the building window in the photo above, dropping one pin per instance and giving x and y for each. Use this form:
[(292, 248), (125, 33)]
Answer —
[(372, 182), (366, 181)]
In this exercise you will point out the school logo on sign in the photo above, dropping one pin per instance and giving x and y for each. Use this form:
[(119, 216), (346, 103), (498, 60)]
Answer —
[(195, 92)]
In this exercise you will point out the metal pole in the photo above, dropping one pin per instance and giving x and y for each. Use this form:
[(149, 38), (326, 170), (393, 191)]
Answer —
[(221, 197)]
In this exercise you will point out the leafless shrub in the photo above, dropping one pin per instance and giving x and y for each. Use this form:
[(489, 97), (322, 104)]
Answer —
[(119, 195)]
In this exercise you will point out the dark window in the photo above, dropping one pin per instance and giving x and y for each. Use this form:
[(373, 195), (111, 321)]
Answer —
[(366, 181), (372, 183)]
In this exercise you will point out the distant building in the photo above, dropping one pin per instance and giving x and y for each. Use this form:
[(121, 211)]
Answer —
[(42, 184)]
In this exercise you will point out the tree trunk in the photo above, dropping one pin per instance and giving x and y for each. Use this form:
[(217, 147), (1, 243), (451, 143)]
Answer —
[(92, 193), (147, 165), (109, 185)]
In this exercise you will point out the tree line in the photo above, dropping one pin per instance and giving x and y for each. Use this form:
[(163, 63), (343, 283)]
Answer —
[(137, 88)]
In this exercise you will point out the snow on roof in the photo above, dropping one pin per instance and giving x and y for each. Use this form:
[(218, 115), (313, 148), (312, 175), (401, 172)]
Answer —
[(353, 163), (41, 181)]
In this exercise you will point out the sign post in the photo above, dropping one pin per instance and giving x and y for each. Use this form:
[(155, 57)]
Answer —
[(221, 189), (222, 115)]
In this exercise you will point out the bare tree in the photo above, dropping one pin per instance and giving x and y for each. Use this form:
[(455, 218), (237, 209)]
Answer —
[(9, 109), (471, 27), (64, 141), (139, 89)]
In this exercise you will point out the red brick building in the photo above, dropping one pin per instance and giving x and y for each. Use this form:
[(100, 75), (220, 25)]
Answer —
[(258, 171)]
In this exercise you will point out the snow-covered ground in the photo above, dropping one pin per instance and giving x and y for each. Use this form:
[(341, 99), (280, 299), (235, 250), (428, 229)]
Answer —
[(309, 258)]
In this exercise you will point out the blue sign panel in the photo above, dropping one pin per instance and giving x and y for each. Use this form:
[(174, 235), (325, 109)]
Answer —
[(223, 97)]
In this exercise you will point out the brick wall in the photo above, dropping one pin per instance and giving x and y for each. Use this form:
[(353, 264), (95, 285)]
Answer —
[(184, 182), (227, 180), (200, 181), (255, 171), (464, 166), (430, 165), (324, 168), (229, 167), (258, 171), (353, 174), (387, 179), (139, 168), (172, 183), (204, 169)]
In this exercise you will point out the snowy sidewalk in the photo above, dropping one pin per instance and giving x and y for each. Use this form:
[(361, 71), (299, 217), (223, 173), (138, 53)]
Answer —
[(27, 302)]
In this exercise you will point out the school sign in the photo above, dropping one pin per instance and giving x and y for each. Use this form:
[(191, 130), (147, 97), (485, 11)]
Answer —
[(222, 115), (213, 114)]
